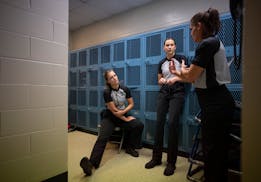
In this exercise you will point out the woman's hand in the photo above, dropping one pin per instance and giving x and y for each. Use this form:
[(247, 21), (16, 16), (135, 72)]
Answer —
[(129, 118), (162, 81), (173, 80), (183, 64), (183, 68)]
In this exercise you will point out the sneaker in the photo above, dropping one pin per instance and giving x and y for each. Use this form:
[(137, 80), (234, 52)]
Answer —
[(152, 164), (86, 165), (169, 170), (132, 152)]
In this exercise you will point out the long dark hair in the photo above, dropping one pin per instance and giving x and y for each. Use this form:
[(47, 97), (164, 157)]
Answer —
[(210, 21)]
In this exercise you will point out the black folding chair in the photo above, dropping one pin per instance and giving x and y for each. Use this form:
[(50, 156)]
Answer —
[(196, 154)]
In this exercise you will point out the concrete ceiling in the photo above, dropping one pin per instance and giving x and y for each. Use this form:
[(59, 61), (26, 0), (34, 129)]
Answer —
[(85, 12)]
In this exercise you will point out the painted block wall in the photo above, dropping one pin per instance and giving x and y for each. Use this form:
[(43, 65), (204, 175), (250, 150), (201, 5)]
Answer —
[(154, 16), (33, 89)]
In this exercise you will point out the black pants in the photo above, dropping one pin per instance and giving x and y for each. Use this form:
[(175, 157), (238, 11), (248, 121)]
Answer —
[(172, 104), (133, 130), (217, 106)]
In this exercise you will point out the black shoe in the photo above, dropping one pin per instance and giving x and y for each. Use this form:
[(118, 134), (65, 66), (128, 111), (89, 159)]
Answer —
[(86, 165), (132, 152), (139, 147), (152, 164), (169, 170)]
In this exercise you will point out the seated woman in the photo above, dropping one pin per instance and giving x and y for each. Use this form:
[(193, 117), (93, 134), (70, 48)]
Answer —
[(116, 114)]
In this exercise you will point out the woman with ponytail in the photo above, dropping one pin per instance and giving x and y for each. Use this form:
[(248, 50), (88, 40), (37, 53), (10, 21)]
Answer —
[(209, 73)]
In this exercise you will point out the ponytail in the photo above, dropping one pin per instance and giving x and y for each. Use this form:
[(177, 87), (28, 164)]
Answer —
[(210, 20)]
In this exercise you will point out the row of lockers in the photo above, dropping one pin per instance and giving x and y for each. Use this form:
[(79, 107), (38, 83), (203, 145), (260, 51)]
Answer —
[(135, 60)]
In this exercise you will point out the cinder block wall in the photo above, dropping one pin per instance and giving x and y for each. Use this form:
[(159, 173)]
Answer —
[(33, 89)]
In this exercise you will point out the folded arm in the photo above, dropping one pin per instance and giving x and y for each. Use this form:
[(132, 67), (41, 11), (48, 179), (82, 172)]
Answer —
[(120, 113)]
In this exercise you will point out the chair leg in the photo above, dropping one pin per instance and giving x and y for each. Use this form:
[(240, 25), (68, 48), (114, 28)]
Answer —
[(195, 152), (121, 142), (118, 142), (98, 130)]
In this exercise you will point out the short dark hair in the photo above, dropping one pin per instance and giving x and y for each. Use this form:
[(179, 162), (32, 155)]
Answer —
[(169, 38)]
